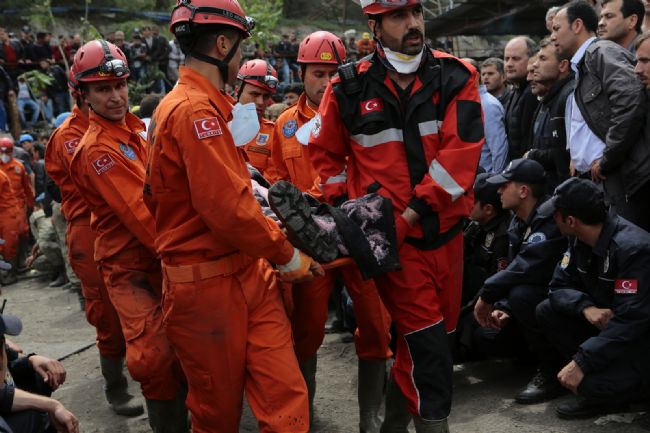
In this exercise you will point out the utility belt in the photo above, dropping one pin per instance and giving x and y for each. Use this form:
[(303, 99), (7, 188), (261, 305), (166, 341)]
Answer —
[(226, 265)]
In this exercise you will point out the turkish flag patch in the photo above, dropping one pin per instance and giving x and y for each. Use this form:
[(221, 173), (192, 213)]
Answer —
[(208, 127), (103, 163), (372, 106), (71, 145), (626, 287)]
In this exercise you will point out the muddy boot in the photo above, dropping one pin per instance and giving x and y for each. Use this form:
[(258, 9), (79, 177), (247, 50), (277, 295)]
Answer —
[(397, 416), (372, 379), (116, 388), (169, 416), (308, 370), (423, 426), (293, 209)]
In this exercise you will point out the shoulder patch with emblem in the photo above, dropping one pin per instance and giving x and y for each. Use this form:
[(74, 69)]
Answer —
[(262, 139), (17, 169), (536, 237), (208, 127), (566, 259), (103, 164), (626, 287), (315, 132), (289, 129), (127, 151), (71, 145)]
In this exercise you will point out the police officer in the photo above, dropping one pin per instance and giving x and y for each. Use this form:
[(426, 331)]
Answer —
[(406, 124), (536, 245), (597, 309)]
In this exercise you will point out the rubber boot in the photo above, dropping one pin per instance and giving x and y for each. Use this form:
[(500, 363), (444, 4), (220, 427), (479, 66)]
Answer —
[(372, 381), (116, 388), (169, 416), (308, 370), (423, 426), (397, 416)]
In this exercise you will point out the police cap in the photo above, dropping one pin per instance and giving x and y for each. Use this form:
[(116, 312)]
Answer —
[(520, 170), (578, 197)]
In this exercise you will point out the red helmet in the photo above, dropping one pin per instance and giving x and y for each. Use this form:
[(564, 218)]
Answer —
[(322, 47), (260, 74), (375, 7), (99, 60), (6, 145), (221, 12), (73, 84)]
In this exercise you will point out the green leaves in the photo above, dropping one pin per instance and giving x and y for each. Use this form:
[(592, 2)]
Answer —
[(267, 13), (37, 81)]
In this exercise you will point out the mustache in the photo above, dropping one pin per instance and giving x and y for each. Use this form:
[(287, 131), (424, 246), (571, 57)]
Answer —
[(413, 32)]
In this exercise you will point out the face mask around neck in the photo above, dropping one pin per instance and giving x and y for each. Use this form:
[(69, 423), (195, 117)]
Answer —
[(403, 63), (5, 158)]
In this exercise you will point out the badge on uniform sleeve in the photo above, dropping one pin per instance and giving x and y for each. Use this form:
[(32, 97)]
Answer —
[(489, 238), (17, 169), (262, 139), (536, 237), (315, 132), (626, 287), (71, 145), (289, 129), (208, 127), (103, 164), (127, 151)]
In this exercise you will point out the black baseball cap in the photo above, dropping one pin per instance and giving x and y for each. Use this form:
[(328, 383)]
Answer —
[(10, 325), (520, 170), (580, 197), (486, 192)]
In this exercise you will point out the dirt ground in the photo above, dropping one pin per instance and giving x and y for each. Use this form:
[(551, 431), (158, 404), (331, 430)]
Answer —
[(54, 326)]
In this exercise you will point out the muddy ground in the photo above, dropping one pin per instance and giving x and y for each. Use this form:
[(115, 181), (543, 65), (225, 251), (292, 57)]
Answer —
[(54, 326)]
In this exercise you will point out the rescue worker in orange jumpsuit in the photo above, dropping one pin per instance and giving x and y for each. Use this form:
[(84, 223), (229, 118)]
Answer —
[(319, 55), (407, 124), (108, 170), (10, 227), (22, 186), (100, 312), (222, 306), (258, 81)]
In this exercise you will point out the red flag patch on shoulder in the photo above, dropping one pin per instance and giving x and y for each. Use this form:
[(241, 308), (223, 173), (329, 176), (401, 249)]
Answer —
[(71, 145), (103, 164), (371, 106), (208, 127), (626, 287)]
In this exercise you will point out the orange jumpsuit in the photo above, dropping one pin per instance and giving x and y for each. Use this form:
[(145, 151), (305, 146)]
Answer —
[(290, 161), (108, 170), (11, 216), (222, 306), (259, 148), (22, 187), (80, 238)]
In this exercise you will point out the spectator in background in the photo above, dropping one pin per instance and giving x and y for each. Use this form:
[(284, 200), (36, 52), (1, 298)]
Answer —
[(138, 55), (159, 54), (536, 88), (46, 107), (273, 111), (521, 104), (57, 92), (6, 89), (494, 154), (549, 130), (27, 41), (176, 58), (493, 76), (120, 42), (646, 19), (281, 51), (293, 56), (41, 50), (620, 22), (12, 54), (25, 99), (550, 14), (292, 93), (607, 110)]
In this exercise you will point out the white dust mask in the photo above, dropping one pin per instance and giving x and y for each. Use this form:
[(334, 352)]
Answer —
[(245, 124), (403, 63), (5, 158)]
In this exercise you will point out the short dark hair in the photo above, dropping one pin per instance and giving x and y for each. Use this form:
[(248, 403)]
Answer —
[(38, 147), (496, 62), (632, 7), (580, 9), (149, 104), (593, 216), (202, 38), (538, 190), (547, 42)]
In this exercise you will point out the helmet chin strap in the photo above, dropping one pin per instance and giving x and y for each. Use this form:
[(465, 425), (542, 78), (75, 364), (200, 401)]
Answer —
[(222, 65)]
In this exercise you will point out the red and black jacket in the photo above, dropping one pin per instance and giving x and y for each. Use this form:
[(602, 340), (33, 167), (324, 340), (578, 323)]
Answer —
[(419, 147)]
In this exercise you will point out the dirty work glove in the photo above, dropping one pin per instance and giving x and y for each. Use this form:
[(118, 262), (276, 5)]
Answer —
[(301, 268)]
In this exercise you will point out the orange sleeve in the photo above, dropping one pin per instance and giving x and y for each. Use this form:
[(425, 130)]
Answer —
[(121, 187), (277, 169), (221, 193)]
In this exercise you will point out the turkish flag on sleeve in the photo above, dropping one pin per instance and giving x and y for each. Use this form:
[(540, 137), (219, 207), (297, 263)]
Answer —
[(103, 164), (626, 287), (208, 127)]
